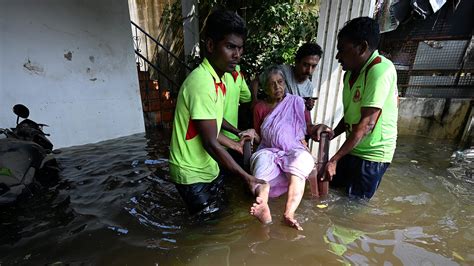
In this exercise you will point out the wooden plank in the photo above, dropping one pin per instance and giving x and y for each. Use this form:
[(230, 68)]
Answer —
[(323, 75), (319, 74), (368, 9), (320, 114), (328, 77), (357, 8), (320, 39), (322, 25), (335, 111), (336, 74), (327, 69)]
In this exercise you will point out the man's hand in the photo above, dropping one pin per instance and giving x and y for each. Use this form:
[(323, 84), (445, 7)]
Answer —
[(250, 134), (309, 103), (241, 144), (316, 131), (330, 170), (368, 120), (207, 130), (237, 146)]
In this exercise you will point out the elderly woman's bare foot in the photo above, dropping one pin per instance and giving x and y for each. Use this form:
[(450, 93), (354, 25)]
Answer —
[(261, 211), (292, 222)]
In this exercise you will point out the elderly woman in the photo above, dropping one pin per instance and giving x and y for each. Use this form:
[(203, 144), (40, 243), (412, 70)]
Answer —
[(282, 158)]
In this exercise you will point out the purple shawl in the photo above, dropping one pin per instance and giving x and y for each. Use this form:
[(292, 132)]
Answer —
[(285, 126)]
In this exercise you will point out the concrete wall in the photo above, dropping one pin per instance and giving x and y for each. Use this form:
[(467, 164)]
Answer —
[(434, 117), (467, 139), (72, 63), (147, 14), (189, 8)]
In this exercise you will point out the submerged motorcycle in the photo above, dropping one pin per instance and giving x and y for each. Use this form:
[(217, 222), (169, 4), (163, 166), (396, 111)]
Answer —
[(25, 151)]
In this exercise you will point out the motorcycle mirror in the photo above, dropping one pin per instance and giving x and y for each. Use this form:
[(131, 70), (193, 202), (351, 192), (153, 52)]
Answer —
[(21, 111)]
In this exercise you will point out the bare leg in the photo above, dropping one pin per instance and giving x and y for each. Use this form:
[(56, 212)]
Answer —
[(260, 208), (295, 194)]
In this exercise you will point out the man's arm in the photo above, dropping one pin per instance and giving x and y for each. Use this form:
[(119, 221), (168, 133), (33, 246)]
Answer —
[(340, 128), (229, 127), (207, 130), (230, 143), (314, 131), (251, 133), (369, 116), (309, 103)]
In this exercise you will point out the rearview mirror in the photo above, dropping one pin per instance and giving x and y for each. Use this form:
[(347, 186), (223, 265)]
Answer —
[(21, 110)]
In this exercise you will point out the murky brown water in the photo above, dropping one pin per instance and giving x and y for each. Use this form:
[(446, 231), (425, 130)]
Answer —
[(108, 209)]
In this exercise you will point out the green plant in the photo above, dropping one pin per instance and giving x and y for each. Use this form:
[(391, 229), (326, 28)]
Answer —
[(276, 28), (276, 31)]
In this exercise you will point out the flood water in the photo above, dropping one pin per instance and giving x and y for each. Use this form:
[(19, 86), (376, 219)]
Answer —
[(110, 207)]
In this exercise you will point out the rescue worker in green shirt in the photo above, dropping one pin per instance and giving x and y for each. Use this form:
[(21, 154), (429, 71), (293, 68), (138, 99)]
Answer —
[(195, 152), (237, 93), (370, 99)]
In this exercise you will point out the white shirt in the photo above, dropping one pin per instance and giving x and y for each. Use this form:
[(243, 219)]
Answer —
[(304, 89)]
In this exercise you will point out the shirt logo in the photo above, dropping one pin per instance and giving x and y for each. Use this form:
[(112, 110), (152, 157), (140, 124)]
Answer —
[(348, 128), (356, 96)]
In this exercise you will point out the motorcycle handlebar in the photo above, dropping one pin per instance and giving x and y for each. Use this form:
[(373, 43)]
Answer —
[(6, 131)]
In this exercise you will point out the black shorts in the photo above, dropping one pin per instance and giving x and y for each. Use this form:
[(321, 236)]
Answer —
[(203, 198), (358, 177)]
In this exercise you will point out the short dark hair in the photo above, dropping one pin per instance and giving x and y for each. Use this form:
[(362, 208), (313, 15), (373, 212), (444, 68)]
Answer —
[(361, 29), (222, 22), (308, 49)]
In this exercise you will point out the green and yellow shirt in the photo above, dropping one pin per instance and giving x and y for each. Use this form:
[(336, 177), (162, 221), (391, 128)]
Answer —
[(376, 86), (201, 97), (237, 92)]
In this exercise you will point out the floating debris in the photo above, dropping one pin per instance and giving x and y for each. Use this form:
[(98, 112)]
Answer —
[(119, 230), (155, 161), (457, 256), (135, 163), (462, 165)]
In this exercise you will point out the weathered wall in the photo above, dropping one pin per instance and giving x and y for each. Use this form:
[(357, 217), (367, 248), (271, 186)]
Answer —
[(71, 62), (154, 17), (434, 117), (163, 21), (467, 139), (147, 14)]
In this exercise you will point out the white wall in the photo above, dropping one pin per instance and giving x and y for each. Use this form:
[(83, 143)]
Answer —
[(327, 79), (72, 63), (189, 8)]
